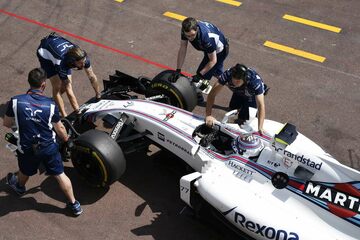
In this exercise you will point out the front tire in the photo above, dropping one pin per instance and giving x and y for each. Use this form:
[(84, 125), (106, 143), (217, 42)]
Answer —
[(98, 158), (182, 93)]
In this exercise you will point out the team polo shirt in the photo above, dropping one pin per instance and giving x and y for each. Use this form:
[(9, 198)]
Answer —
[(34, 115), (208, 38), (54, 48), (253, 85)]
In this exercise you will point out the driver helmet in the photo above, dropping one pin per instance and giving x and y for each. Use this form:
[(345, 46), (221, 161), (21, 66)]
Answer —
[(247, 145)]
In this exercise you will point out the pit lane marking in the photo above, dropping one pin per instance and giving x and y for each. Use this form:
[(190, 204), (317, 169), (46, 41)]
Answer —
[(312, 23), (230, 2), (294, 51), (174, 16)]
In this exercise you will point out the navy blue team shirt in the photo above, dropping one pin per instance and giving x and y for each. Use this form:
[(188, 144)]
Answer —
[(253, 85), (53, 48), (34, 114), (208, 38)]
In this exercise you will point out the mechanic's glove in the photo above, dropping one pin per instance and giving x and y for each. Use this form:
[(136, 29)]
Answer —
[(10, 137), (175, 76), (196, 78), (204, 85)]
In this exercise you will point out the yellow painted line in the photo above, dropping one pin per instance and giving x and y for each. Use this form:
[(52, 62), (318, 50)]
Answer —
[(230, 2), (312, 23), (174, 16), (294, 51), (120, 1)]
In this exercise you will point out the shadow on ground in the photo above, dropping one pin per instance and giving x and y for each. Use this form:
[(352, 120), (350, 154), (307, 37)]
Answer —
[(49, 186), (14, 203), (156, 180), (84, 193), (3, 107)]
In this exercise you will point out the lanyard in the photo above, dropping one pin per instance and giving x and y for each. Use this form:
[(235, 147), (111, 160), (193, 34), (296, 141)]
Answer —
[(35, 91)]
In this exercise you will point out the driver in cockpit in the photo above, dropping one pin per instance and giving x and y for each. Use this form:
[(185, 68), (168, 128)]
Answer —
[(247, 145)]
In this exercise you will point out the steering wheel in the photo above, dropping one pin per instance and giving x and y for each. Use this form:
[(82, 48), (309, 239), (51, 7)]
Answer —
[(206, 134)]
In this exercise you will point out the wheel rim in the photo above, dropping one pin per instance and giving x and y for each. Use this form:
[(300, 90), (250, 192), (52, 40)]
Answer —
[(88, 167)]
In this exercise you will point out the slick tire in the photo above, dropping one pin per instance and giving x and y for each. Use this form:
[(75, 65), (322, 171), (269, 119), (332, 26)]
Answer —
[(182, 93), (98, 158)]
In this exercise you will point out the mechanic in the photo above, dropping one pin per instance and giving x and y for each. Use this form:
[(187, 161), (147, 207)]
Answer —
[(58, 56), (248, 91), (207, 38), (35, 116)]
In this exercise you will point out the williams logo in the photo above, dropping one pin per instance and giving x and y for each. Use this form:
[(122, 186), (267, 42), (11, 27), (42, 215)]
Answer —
[(168, 115), (33, 114)]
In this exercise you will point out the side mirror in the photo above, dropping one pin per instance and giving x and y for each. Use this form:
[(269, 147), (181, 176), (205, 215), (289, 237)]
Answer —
[(227, 115), (195, 149)]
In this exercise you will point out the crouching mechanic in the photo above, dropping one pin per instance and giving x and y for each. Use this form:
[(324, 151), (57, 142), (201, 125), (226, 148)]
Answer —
[(58, 57), (208, 38), (248, 91), (35, 116)]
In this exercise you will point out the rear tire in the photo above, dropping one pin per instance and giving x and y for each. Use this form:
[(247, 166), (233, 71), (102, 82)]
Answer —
[(98, 158), (182, 93)]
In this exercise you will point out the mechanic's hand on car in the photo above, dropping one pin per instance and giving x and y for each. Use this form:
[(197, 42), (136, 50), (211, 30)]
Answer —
[(205, 84), (77, 112), (175, 76), (261, 131), (196, 78), (210, 120)]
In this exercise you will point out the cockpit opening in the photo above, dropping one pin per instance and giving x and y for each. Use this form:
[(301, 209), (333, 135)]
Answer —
[(247, 145)]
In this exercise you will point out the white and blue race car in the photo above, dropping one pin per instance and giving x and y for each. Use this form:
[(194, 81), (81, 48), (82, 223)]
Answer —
[(279, 185)]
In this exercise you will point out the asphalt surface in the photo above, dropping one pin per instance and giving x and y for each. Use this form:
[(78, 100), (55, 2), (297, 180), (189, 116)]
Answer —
[(321, 99)]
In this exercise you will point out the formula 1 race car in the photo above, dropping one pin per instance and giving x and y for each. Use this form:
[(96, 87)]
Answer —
[(279, 185)]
